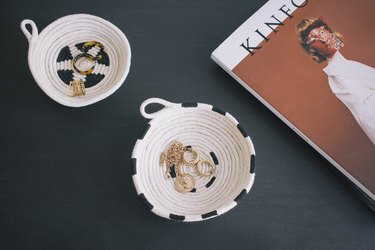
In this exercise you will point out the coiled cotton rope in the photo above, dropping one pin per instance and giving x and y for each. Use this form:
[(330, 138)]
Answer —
[(50, 55), (217, 136)]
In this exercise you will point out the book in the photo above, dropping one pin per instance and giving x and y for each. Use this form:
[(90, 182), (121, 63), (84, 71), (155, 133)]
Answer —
[(311, 62)]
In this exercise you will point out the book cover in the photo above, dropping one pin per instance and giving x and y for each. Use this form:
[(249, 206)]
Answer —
[(312, 63)]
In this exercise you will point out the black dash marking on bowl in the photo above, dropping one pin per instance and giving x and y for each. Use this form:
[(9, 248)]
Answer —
[(252, 164), (134, 166), (193, 190), (79, 46), (241, 130), (210, 214), (189, 104), (240, 196), (93, 79), (64, 54), (144, 132), (148, 204), (217, 110), (104, 58), (177, 217), (214, 158), (173, 171), (66, 75), (210, 182)]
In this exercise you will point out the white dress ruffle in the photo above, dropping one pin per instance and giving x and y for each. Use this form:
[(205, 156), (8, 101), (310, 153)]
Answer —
[(354, 84)]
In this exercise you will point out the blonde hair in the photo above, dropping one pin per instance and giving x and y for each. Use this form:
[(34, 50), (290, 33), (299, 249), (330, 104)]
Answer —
[(303, 30)]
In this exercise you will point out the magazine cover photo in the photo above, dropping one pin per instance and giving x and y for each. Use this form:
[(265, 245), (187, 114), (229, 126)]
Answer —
[(317, 70)]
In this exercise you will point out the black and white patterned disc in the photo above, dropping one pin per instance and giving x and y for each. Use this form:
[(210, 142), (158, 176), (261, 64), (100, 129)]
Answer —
[(97, 68)]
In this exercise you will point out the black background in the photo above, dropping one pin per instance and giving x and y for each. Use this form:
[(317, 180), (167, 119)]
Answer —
[(65, 174)]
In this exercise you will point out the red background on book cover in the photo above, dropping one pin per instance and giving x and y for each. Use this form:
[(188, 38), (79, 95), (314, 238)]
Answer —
[(287, 78)]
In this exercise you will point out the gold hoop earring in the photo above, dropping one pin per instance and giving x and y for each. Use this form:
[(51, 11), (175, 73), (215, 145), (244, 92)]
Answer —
[(194, 153), (206, 162)]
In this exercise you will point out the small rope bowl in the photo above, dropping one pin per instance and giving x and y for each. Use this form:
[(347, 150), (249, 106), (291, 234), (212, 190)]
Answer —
[(78, 59), (216, 137)]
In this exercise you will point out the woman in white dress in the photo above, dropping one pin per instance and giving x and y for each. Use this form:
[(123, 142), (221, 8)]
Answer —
[(352, 82)]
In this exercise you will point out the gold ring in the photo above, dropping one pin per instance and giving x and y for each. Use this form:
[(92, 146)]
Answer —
[(87, 57), (207, 162), (88, 45), (196, 156)]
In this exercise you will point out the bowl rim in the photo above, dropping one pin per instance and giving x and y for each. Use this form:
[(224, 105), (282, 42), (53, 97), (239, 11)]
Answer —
[(76, 101), (142, 194)]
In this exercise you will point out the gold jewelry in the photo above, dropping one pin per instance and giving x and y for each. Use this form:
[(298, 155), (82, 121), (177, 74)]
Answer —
[(194, 153), (174, 156), (78, 87), (208, 163), (87, 57), (88, 45), (184, 183)]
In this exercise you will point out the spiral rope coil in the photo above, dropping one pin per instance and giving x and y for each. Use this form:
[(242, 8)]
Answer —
[(103, 66), (217, 136)]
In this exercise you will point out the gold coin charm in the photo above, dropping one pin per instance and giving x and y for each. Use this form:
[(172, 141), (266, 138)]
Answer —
[(208, 164), (184, 183)]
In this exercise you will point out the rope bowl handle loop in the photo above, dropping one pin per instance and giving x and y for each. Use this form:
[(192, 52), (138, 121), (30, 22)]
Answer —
[(34, 30), (154, 100)]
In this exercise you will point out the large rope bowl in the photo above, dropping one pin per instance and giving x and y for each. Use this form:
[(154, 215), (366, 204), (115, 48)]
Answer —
[(217, 136), (78, 48)]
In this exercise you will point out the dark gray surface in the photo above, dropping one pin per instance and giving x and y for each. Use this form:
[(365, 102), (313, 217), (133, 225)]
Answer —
[(65, 175)]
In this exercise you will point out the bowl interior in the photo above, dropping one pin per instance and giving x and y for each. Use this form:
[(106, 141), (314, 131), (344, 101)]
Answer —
[(216, 138), (53, 59)]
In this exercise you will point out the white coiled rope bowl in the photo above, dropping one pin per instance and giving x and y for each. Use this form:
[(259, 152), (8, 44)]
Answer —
[(217, 136), (44, 50)]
